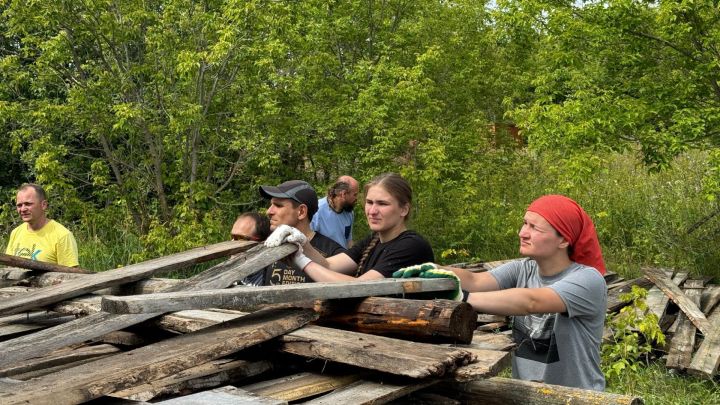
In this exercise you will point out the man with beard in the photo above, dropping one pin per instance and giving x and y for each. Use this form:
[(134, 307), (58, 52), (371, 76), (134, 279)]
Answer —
[(335, 214)]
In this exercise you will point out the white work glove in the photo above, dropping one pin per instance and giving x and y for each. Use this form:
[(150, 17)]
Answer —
[(286, 233)]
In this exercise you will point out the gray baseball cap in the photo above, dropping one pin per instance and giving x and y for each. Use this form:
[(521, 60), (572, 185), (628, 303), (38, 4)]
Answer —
[(296, 190)]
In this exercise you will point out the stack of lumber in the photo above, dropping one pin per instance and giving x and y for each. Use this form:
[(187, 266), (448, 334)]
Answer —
[(688, 313), (125, 336)]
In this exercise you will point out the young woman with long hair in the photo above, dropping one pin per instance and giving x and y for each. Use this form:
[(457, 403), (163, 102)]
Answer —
[(390, 246)]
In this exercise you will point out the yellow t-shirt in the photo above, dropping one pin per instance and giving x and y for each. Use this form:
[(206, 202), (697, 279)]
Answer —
[(53, 243)]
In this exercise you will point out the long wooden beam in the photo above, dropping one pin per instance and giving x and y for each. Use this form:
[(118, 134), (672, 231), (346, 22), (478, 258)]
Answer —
[(98, 324), (691, 310), (395, 356), (248, 297), (152, 362), (17, 261), (498, 390), (128, 274)]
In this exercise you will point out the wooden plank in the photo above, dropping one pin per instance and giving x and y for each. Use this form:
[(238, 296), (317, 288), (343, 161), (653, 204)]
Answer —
[(17, 261), (683, 341), (399, 357), (710, 298), (657, 301), (134, 272), (47, 279), (209, 375), (156, 361), (489, 363), (489, 341), (501, 391), (251, 297), (192, 320), (58, 357), (19, 324), (676, 295), (370, 392), (98, 324), (613, 300), (222, 396), (299, 386), (706, 360)]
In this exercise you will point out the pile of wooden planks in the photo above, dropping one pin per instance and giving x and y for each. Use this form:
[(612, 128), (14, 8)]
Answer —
[(689, 314), (123, 336)]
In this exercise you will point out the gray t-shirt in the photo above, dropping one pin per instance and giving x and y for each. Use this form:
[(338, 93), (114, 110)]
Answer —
[(561, 349)]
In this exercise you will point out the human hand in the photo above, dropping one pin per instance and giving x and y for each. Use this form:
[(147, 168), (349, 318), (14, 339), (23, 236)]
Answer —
[(286, 233), (414, 271), (456, 294)]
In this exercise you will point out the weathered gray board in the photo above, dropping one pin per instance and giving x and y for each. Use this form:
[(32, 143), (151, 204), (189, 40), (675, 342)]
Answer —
[(134, 272), (228, 395), (676, 295), (155, 361), (657, 301), (706, 360), (501, 391), (683, 341), (298, 386), (370, 392), (98, 324), (395, 356), (209, 375), (250, 297), (17, 261)]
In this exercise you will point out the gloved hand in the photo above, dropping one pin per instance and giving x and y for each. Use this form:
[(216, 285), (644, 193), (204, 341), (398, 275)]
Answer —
[(286, 233), (454, 295), (430, 270), (414, 271)]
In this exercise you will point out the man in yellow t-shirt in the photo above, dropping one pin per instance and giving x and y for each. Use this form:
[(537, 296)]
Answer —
[(40, 238)]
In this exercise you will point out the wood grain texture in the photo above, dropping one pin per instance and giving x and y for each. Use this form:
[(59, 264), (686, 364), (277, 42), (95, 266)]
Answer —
[(155, 361), (252, 297), (399, 357)]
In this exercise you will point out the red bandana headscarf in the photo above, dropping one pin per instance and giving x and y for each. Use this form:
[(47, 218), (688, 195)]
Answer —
[(575, 225)]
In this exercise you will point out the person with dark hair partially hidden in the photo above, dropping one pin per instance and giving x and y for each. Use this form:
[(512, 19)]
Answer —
[(557, 295), (39, 237), (250, 226), (335, 216), (292, 203), (391, 245)]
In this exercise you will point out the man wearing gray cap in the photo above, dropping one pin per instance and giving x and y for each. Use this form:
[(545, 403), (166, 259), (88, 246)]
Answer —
[(292, 203)]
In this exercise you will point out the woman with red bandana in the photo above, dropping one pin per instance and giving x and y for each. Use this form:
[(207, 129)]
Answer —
[(556, 295)]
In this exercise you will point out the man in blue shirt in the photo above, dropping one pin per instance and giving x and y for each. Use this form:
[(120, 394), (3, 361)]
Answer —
[(335, 215)]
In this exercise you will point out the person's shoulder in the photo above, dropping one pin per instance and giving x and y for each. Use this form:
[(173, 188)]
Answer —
[(587, 273), (411, 236), (56, 226), (326, 245)]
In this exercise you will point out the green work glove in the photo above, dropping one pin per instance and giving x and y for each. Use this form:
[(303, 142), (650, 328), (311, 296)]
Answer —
[(414, 271), (454, 295)]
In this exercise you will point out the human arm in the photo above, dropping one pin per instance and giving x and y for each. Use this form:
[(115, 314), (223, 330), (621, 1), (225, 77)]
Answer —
[(517, 301), (474, 282), (322, 274)]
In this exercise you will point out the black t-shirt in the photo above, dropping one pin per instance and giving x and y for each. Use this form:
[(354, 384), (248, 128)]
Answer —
[(280, 273), (407, 249)]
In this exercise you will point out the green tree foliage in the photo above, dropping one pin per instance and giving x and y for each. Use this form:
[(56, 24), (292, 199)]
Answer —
[(164, 116), (151, 123), (624, 75)]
